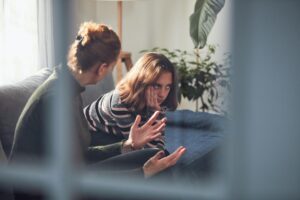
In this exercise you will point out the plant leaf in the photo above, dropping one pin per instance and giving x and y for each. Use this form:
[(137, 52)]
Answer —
[(203, 19)]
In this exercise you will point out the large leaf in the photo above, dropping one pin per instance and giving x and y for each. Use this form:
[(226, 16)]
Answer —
[(203, 19)]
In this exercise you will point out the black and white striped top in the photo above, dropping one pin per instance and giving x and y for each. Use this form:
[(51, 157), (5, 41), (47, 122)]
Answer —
[(110, 115)]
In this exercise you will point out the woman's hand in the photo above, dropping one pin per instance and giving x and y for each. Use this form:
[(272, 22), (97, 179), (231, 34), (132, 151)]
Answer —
[(159, 162), (139, 136), (151, 99)]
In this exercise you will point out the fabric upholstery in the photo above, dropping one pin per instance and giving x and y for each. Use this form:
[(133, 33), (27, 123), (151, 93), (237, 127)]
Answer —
[(13, 98), (199, 132)]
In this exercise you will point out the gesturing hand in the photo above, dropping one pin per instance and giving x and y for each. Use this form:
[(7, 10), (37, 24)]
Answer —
[(159, 162), (151, 98), (139, 136)]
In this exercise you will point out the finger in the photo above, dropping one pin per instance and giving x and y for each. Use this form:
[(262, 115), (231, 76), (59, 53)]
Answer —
[(160, 128), (178, 150), (152, 94), (148, 96), (177, 156), (158, 155), (157, 124), (155, 100), (152, 119), (154, 97), (136, 122), (153, 137)]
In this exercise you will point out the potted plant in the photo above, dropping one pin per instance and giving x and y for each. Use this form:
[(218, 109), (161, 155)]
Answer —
[(201, 77), (199, 81)]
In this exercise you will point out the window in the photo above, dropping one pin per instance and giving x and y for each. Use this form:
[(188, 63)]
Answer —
[(19, 56), (19, 40)]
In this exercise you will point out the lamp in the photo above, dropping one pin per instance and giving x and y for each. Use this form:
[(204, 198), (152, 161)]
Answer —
[(124, 56)]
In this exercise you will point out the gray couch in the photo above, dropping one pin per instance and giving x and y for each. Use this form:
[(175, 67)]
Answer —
[(13, 98), (202, 131), (199, 132)]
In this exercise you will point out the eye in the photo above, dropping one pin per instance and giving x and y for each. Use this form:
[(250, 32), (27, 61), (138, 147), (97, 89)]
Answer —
[(156, 86), (168, 87)]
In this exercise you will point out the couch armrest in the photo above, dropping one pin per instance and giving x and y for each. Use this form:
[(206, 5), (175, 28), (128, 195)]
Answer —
[(13, 98)]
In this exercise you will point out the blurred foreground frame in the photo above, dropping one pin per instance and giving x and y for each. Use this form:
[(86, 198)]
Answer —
[(263, 160)]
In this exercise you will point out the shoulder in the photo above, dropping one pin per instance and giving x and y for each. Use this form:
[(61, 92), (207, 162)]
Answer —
[(43, 93), (116, 101), (117, 107)]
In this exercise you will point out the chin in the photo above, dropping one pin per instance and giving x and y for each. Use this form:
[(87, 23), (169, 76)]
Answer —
[(161, 102)]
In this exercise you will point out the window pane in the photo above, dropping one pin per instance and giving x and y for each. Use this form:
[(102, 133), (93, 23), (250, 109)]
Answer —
[(19, 45)]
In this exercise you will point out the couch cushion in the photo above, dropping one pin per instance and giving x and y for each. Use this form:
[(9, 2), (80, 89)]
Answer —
[(13, 98), (199, 132), (92, 92)]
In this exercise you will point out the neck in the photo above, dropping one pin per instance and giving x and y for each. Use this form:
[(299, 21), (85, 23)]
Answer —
[(80, 76)]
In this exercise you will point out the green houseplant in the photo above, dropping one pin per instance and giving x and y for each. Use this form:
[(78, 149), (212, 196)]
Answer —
[(203, 19), (199, 81), (200, 77)]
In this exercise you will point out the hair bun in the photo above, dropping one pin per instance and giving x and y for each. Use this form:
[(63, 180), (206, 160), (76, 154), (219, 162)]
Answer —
[(79, 37), (104, 28)]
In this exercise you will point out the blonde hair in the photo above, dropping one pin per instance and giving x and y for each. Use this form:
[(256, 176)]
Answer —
[(94, 43), (144, 73)]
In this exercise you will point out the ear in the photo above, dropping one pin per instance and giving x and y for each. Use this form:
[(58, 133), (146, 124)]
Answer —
[(101, 68)]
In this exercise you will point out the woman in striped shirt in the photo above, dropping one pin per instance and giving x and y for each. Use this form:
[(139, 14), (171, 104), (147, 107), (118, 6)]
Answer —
[(151, 85)]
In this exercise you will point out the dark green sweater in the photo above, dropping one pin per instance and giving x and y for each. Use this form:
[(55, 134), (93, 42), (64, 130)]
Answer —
[(33, 125)]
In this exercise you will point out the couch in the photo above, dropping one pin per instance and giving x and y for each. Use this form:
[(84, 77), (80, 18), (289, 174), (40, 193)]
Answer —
[(201, 133), (13, 98)]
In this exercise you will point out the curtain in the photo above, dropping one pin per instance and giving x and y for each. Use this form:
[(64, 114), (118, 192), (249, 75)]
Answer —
[(45, 33), (26, 38)]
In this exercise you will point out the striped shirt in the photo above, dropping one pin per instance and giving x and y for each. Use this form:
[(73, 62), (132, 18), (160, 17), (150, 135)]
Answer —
[(110, 115)]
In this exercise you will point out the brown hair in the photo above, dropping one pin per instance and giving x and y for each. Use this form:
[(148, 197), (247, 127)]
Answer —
[(94, 43), (145, 72)]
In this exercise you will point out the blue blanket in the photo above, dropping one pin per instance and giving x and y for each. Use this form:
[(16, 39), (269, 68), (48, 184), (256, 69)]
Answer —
[(199, 132)]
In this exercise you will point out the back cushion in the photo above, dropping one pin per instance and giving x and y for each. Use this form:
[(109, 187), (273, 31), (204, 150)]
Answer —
[(14, 97), (12, 101)]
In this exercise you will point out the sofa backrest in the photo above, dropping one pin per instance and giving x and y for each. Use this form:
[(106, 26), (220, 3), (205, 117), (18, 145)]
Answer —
[(13, 98)]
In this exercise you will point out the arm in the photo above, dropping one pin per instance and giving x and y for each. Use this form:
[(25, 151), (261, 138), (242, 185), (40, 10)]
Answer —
[(144, 163), (138, 137), (92, 154), (108, 114), (98, 153)]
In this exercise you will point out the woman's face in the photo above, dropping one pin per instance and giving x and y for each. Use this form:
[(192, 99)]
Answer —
[(162, 87)]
